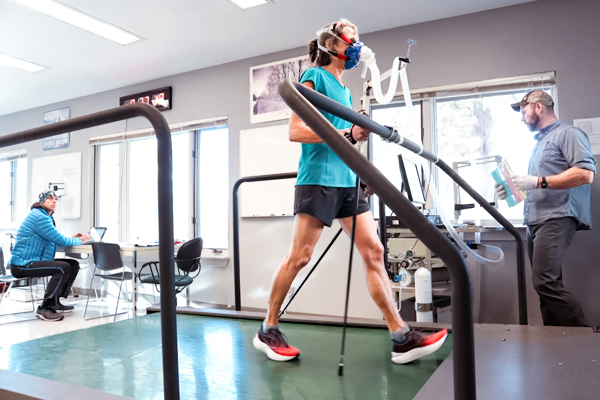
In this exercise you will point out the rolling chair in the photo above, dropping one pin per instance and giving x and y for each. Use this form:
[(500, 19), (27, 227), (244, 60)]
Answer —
[(187, 261), (107, 257)]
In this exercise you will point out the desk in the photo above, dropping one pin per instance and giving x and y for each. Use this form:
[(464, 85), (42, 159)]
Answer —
[(406, 251), (394, 233), (149, 253), (403, 244), (127, 250)]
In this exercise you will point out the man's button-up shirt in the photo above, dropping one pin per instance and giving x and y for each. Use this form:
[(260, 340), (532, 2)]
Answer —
[(560, 147)]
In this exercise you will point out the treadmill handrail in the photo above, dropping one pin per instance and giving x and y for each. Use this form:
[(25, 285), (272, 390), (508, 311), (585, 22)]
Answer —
[(165, 215), (430, 235), (236, 227)]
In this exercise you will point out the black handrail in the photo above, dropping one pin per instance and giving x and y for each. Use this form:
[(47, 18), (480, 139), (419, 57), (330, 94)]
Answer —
[(462, 318), (391, 135), (236, 227), (165, 215)]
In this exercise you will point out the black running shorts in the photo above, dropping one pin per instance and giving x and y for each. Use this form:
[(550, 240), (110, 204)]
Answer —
[(327, 203)]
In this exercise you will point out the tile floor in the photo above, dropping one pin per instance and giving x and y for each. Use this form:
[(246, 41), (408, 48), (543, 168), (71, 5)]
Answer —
[(17, 328), (218, 361)]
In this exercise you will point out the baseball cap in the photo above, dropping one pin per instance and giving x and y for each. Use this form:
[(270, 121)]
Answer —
[(536, 96)]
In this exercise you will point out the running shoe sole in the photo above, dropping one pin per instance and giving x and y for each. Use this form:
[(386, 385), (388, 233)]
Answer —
[(49, 319), (260, 345), (58, 310), (418, 352)]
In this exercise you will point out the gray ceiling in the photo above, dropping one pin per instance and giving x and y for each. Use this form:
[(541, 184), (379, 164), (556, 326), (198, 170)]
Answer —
[(179, 36)]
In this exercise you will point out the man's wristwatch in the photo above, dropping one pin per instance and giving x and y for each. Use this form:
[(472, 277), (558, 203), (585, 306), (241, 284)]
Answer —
[(544, 184)]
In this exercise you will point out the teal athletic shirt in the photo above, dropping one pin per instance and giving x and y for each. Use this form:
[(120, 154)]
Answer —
[(319, 165)]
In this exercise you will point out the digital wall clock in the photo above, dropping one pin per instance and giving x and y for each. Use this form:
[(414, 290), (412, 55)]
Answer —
[(159, 98)]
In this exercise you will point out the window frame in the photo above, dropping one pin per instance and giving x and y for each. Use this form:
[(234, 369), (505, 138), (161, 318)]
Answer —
[(124, 140), (13, 158), (428, 98), (197, 192)]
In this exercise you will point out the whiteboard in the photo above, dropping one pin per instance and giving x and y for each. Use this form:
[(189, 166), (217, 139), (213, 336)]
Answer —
[(61, 168), (266, 151)]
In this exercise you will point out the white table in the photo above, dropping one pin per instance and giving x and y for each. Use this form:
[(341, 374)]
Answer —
[(127, 250)]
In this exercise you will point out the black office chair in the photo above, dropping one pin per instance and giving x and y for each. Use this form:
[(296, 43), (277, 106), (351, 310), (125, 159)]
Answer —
[(188, 265), (107, 257)]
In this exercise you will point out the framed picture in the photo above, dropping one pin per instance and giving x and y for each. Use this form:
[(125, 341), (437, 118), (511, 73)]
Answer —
[(60, 141), (51, 117), (265, 103)]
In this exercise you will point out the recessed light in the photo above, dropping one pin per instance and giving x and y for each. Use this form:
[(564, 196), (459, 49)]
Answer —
[(76, 18), (243, 4), (12, 62)]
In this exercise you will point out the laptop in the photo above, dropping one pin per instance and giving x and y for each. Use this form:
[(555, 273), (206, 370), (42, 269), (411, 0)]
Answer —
[(97, 234)]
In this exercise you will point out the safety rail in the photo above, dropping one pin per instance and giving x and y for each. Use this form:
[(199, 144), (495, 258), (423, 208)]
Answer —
[(165, 215), (304, 102), (236, 227)]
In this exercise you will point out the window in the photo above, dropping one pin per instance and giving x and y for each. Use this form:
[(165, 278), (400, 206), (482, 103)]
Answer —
[(13, 181), (474, 128), (213, 187), (5, 195), (465, 128), (142, 189), (126, 187), (407, 121), (108, 189)]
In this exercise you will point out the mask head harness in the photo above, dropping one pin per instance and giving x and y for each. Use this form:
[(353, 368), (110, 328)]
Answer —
[(352, 54)]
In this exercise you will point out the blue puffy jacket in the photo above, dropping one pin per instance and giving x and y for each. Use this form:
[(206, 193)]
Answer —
[(37, 239)]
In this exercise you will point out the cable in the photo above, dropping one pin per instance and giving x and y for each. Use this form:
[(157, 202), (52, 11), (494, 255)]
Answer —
[(352, 236), (414, 245), (455, 235), (460, 241)]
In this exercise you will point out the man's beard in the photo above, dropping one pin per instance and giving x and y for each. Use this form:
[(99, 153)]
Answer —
[(533, 123)]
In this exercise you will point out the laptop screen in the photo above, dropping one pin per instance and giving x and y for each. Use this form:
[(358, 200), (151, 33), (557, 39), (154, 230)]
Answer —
[(97, 233)]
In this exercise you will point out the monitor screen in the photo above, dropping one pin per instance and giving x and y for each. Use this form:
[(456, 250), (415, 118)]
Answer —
[(411, 180)]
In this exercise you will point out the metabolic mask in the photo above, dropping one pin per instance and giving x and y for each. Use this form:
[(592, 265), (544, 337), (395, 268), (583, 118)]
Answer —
[(352, 54)]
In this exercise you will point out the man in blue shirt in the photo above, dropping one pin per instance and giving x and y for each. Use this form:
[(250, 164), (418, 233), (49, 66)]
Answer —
[(561, 169)]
